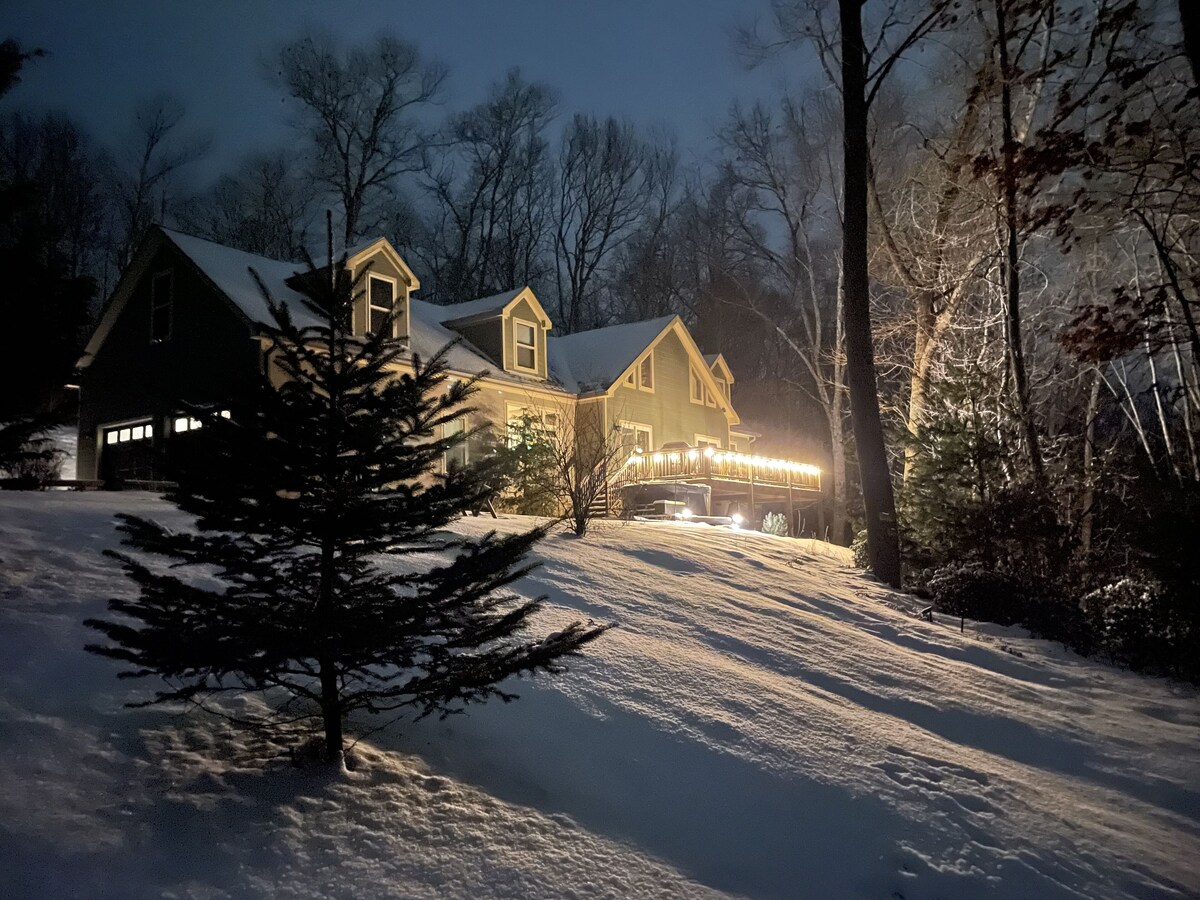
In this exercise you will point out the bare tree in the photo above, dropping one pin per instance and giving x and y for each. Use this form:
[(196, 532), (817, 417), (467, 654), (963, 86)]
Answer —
[(493, 194), (607, 176), (156, 149), (788, 210), (359, 109), (264, 206)]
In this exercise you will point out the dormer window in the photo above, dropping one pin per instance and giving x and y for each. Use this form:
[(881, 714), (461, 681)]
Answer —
[(381, 300), (525, 339), (161, 306)]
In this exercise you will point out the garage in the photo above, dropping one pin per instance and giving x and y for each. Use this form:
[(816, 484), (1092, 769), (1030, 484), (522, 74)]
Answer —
[(127, 453)]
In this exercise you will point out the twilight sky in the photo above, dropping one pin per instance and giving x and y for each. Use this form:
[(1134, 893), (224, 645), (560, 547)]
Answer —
[(668, 63)]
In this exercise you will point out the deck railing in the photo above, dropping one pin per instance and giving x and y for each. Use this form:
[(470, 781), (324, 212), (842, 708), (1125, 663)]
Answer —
[(710, 464)]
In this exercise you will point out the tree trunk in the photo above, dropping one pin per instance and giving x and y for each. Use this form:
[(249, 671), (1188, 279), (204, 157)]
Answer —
[(331, 701), (922, 357), (883, 541), (1189, 17), (1089, 467), (838, 486), (1012, 261)]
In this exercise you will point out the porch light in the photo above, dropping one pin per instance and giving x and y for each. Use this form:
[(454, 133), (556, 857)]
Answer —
[(693, 455), (737, 518), (685, 513), (709, 451)]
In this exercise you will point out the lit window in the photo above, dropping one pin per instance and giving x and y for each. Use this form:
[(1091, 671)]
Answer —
[(456, 457), (181, 424), (526, 338), (161, 311), (646, 372), (696, 386), (226, 414), (382, 301), (123, 434), (635, 436)]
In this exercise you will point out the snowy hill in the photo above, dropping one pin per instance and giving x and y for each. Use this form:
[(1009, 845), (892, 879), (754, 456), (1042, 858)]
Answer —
[(762, 723)]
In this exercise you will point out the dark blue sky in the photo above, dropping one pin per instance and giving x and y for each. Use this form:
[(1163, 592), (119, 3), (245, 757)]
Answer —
[(668, 63)]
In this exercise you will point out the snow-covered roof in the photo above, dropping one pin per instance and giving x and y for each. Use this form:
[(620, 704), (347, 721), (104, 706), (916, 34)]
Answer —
[(230, 271), (484, 307), (594, 360)]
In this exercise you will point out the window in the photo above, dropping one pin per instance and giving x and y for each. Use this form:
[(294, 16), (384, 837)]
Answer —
[(724, 387), (641, 376), (696, 386), (187, 423), (635, 436), (646, 373), (526, 340), (457, 456), (707, 440), (161, 307), (709, 399), (124, 434), (381, 300), (527, 422)]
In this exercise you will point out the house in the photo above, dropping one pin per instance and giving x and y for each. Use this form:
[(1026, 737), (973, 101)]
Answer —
[(181, 328)]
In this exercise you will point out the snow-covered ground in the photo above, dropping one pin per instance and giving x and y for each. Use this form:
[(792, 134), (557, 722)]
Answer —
[(762, 723)]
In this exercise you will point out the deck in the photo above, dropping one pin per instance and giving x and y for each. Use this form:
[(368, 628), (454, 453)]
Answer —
[(749, 484)]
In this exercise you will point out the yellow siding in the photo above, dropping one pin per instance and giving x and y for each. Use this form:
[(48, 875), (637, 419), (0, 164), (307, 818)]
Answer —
[(524, 310), (668, 410)]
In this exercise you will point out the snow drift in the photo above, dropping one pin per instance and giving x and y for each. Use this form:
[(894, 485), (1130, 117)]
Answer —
[(764, 722)]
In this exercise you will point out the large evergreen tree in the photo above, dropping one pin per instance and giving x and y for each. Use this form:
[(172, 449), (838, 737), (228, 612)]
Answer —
[(319, 515)]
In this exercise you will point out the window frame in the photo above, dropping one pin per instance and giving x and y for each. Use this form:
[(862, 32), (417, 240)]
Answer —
[(518, 346), (694, 379), (635, 427), (156, 305), (371, 307), (641, 369), (708, 440), (462, 447)]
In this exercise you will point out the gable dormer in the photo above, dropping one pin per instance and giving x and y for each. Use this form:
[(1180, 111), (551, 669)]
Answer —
[(721, 374), (510, 328), (385, 284)]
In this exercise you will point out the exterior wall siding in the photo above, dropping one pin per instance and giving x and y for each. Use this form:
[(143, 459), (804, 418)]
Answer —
[(668, 410), (209, 353)]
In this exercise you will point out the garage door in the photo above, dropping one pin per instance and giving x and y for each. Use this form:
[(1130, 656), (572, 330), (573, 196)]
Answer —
[(127, 453)]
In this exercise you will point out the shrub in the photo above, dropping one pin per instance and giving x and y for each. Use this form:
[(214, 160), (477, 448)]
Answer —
[(775, 523), (979, 593), (858, 547), (1143, 624)]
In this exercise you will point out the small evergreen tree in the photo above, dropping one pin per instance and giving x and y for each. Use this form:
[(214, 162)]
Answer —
[(308, 499)]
